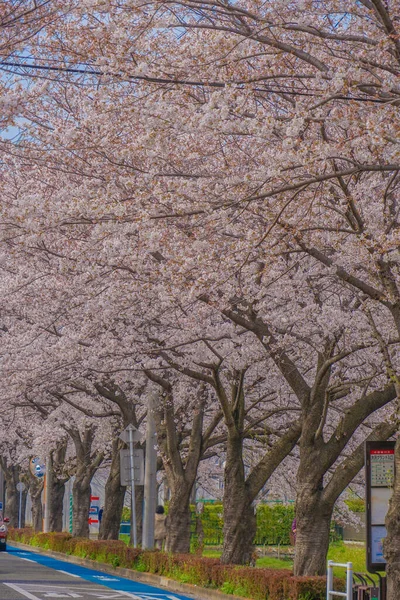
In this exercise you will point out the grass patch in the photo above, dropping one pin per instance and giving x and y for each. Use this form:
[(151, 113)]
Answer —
[(124, 537), (343, 553), (212, 552), (338, 552), (269, 562)]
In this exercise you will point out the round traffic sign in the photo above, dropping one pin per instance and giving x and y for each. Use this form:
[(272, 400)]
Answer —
[(20, 486), (37, 467)]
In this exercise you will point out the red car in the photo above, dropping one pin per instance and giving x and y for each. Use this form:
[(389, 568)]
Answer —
[(3, 533)]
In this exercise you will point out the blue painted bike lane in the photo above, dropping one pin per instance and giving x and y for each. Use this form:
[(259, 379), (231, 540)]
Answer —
[(138, 590)]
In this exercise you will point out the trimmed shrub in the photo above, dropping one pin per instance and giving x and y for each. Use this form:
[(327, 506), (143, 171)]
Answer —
[(309, 588), (274, 524)]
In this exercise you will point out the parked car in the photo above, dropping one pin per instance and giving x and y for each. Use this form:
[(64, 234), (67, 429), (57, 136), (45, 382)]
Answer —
[(3, 533)]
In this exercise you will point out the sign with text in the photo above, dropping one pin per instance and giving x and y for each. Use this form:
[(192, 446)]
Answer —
[(379, 476), (138, 466)]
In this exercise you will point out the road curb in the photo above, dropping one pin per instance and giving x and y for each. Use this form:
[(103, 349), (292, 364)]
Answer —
[(198, 593)]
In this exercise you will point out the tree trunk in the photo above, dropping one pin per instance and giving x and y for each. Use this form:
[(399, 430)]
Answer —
[(23, 506), (239, 515), (57, 480), (35, 485), (178, 521), (37, 507), (239, 530), (56, 506), (86, 467), (391, 544), (313, 520), (114, 498), (12, 506), (81, 505), (11, 475)]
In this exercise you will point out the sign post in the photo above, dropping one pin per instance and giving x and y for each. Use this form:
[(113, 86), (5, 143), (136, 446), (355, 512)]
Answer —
[(20, 489), (129, 436), (38, 469), (133, 499), (379, 476)]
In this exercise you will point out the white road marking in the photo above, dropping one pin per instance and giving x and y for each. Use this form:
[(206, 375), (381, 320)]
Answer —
[(118, 592), (27, 559), (62, 595), (150, 596), (66, 573), (16, 588)]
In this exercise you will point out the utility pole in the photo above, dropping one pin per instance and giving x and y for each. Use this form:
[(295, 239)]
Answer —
[(47, 493), (2, 490), (150, 476), (133, 537)]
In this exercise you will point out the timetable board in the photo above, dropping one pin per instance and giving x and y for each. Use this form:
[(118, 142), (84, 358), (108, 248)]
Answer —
[(382, 468), (379, 477)]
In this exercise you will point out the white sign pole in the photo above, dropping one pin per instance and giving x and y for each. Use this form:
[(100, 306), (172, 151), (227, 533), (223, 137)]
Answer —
[(20, 509), (20, 489), (133, 504)]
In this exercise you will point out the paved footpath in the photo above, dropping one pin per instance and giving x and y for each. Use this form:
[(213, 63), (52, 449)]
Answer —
[(35, 576)]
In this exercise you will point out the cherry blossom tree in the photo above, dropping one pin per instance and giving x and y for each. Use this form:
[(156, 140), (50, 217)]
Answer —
[(239, 156)]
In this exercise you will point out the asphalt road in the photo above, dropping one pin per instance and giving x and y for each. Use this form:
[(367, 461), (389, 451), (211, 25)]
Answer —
[(38, 577)]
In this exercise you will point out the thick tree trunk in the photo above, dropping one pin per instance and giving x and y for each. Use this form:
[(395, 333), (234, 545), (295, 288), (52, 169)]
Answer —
[(57, 504), (114, 498), (37, 507), (57, 480), (313, 520), (239, 515), (12, 496), (87, 465), (81, 506), (392, 542), (178, 521), (11, 510), (239, 530), (23, 506), (35, 490)]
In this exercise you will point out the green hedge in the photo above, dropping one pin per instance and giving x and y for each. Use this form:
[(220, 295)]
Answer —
[(356, 505), (254, 583), (274, 523)]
